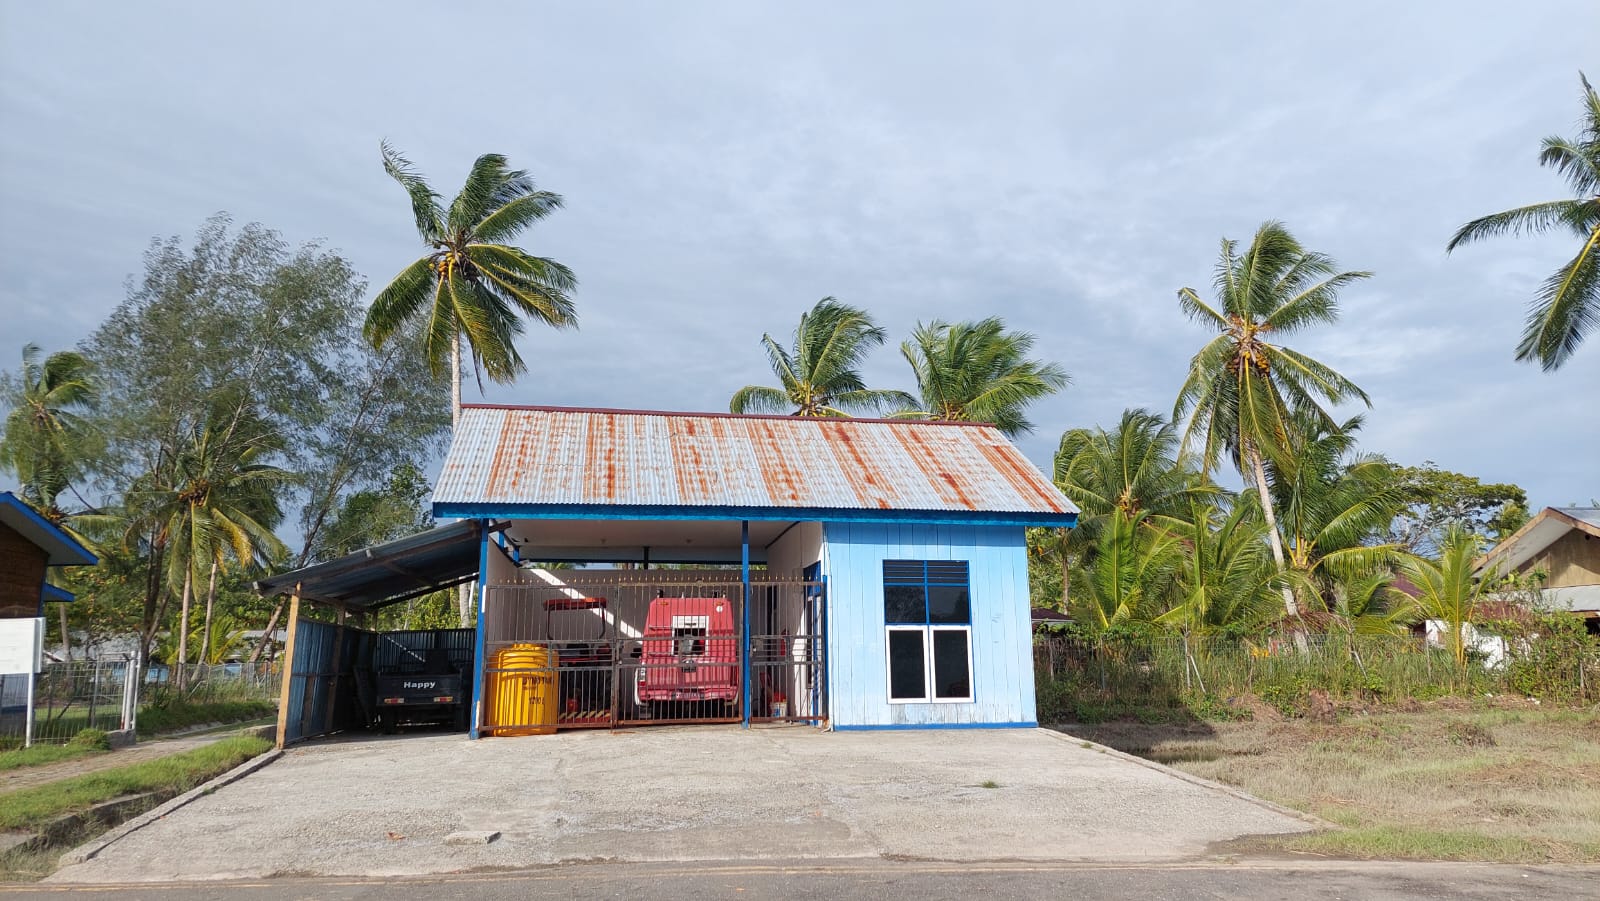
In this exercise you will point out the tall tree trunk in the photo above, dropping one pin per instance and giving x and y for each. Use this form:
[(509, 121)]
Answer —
[(266, 636), (205, 631), (66, 636), (154, 587), (183, 627), (455, 382), (464, 593), (1259, 471)]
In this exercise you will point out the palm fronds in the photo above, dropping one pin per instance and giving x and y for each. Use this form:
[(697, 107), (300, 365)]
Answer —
[(472, 284), (978, 372), (1565, 308), (820, 374)]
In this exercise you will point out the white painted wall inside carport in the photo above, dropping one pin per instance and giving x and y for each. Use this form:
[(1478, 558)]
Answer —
[(795, 549), (1002, 637)]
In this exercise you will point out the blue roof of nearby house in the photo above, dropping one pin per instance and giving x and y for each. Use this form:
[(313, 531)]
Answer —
[(641, 464), (62, 549), (55, 593)]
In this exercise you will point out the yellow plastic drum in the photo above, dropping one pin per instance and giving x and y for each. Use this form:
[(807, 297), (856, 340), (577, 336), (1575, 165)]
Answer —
[(522, 691)]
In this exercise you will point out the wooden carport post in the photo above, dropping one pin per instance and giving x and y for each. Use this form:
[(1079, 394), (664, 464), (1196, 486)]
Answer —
[(288, 665)]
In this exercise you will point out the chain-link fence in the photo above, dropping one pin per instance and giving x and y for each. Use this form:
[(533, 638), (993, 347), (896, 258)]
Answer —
[(211, 683), (68, 698), (109, 694)]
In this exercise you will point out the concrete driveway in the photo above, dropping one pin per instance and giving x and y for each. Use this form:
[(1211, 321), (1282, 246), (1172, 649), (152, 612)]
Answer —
[(385, 806)]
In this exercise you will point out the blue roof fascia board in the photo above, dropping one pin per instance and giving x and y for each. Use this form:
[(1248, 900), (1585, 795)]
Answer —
[(72, 547), (53, 593), (768, 514)]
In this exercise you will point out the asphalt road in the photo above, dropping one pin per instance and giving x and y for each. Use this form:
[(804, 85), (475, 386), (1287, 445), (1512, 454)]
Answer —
[(886, 880)]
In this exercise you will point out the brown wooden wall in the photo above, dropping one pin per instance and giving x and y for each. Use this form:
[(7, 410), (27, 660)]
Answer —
[(1572, 560), (22, 566)]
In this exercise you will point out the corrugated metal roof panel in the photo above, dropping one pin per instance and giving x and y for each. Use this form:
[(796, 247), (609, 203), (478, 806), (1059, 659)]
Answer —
[(1590, 515), (546, 455)]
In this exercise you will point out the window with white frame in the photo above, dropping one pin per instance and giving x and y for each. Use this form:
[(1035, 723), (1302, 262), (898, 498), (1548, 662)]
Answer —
[(927, 615)]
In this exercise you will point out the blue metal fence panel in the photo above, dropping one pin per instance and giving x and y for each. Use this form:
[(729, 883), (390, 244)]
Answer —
[(1001, 642), (308, 690)]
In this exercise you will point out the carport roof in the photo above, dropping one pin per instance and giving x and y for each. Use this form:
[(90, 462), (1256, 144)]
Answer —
[(391, 572)]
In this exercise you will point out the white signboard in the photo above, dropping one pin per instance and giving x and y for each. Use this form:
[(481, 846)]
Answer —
[(21, 645)]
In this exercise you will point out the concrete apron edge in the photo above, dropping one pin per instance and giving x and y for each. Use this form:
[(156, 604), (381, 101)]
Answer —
[(89, 849), (1192, 779)]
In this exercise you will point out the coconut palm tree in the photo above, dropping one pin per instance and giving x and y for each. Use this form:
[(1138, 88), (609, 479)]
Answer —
[(1243, 391), (1228, 579), (45, 424), (1333, 503), (1371, 605), (220, 500), (471, 284), (978, 372), (1132, 577), (1446, 589), (1137, 467), (1566, 308), (821, 374), (43, 435)]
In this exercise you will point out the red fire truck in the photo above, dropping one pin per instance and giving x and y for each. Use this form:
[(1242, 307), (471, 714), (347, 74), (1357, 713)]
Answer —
[(690, 655)]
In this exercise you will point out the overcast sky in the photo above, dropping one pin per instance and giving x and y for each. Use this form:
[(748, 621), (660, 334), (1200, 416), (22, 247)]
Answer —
[(1065, 166)]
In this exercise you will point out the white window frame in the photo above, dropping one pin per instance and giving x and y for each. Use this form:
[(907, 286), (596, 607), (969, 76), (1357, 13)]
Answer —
[(927, 664)]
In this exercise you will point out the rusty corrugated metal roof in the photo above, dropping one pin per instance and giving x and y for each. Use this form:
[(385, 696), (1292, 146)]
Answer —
[(521, 456)]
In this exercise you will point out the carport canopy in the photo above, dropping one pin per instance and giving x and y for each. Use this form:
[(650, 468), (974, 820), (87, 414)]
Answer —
[(390, 572)]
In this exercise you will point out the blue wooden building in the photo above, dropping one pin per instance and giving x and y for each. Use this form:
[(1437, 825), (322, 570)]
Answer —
[(877, 568)]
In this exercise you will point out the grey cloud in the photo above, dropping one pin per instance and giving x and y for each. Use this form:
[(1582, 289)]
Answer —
[(727, 164)]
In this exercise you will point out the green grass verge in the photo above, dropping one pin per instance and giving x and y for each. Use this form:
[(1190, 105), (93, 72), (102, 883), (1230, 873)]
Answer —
[(39, 755), (1415, 843), (33, 806), (173, 717)]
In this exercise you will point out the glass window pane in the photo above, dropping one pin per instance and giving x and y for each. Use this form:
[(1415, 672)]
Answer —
[(904, 604), (907, 677), (948, 604), (951, 676)]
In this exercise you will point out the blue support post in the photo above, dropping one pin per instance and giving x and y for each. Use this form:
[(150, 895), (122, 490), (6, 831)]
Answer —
[(744, 570), (477, 656), (827, 655)]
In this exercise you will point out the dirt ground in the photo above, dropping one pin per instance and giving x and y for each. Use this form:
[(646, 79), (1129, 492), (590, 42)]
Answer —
[(1518, 785)]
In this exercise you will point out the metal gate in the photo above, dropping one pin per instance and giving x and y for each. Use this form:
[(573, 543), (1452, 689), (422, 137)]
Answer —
[(653, 647)]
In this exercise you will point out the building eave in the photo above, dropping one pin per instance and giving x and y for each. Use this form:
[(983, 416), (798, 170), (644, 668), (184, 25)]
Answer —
[(630, 512)]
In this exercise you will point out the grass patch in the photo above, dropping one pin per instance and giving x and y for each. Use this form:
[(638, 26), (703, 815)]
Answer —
[(1435, 784), (988, 783), (86, 742), (34, 806), (39, 755), (178, 715), (1402, 843)]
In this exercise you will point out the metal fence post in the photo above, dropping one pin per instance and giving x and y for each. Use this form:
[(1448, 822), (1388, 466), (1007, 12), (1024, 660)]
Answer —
[(94, 690), (130, 676)]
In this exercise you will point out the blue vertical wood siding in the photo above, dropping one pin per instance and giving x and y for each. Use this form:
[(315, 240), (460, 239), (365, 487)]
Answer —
[(1002, 649)]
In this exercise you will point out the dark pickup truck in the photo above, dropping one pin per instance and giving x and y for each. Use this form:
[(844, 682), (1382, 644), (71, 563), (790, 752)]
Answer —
[(415, 698), (425, 687)]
